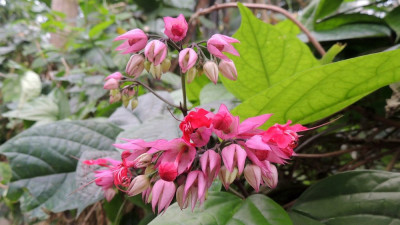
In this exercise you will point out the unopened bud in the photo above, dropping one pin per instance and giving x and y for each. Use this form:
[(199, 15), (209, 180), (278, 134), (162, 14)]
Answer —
[(149, 169), (191, 74), (271, 177), (115, 95), (211, 70), (165, 65), (182, 202), (142, 160), (156, 71), (138, 185), (147, 66), (227, 177), (252, 173), (168, 171), (125, 100), (228, 70), (111, 84), (135, 65), (134, 103)]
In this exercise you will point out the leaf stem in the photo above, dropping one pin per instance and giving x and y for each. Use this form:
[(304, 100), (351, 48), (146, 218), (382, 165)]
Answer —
[(277, 9), (184, 107)]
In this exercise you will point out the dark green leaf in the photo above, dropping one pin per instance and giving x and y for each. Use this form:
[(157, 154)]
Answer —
[(321, 91), (326, 7), (43, 162), (225, 208), (267, 56), (393, 20), (356, 197), (343, 19)]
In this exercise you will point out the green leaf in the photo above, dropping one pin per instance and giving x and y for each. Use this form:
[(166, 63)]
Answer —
[(326, 7), (42, 108), (350, 31), (288, 27), (393, 20), (365, 197), (267, 56), (214, 92), (193, 89), (343, 19), (225, 208), (43, 160), (332, 53), (321, 91), (11, 88), (96, 30)]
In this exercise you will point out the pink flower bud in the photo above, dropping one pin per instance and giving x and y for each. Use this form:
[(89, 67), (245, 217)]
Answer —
[(187, 59), (271, 177), (135, 65), (117, 76), (162, 194), (115, 95), (220, 43), (138, 185), (211, 71), (111, 84), (234, 156), (175, 28), (155, 51), (210, 163), (252, 173), (228, 70), (227, 177), (168, 171), (142, 160), (136, 40)]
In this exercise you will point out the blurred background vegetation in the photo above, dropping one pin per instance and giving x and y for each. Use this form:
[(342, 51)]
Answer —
[(54, 55)]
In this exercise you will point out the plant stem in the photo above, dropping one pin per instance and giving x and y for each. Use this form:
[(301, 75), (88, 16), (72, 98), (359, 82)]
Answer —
[(155, 93), (184, 107), (280, 10)]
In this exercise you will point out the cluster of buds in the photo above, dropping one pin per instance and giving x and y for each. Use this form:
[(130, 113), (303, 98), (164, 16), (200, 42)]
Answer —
[(152, 56), (212, 146)]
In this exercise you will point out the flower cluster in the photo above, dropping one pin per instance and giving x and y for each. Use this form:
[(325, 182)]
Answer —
[(152, 56), (213, 145)]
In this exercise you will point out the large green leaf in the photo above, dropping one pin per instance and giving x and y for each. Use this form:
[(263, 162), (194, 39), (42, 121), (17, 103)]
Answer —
[(225, 208), (356, 197), (346, 19), (267, 56), (325, 8), (316, 93), (43, 160)]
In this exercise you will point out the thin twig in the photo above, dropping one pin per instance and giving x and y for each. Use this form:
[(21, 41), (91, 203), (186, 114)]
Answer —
[(155, 93), (277, 9), (393, 161), (329, 154), (184, 107)]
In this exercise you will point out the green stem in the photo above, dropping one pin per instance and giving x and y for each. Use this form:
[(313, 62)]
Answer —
[(119, 213), (184, 107)]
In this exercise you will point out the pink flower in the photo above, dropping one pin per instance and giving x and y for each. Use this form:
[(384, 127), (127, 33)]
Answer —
[(177, 151), (195, 127), (175, 28), (111, 84), (252, 174), (117, 76), (210, 163), (284, 135), (155, 51), (234, 155), (168, 171), (228, 69), (248, 127), (136, 39), (220, 43), (224, 124), (187, 59), (162, 194), (195, 187)]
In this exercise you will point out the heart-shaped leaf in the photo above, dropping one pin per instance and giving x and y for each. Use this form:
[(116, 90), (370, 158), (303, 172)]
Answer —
[(356, 197), (267, 56), (321, 91), (225, 208)]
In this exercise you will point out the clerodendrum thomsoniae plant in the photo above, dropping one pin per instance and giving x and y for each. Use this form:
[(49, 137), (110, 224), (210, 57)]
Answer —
[(185, 167)]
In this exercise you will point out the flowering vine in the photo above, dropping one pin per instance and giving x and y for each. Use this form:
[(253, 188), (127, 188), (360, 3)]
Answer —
[(212, 145)]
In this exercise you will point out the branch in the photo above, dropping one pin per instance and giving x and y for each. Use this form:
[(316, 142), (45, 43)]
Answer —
[(329, 154), (277, 9)]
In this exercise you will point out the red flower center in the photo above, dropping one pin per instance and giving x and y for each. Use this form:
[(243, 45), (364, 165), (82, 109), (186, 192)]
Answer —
[(177, 30)]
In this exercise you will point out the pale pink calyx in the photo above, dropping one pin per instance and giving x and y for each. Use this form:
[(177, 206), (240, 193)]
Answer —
[(135, 40), (155, 51), (187, 59), (218, 44)]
